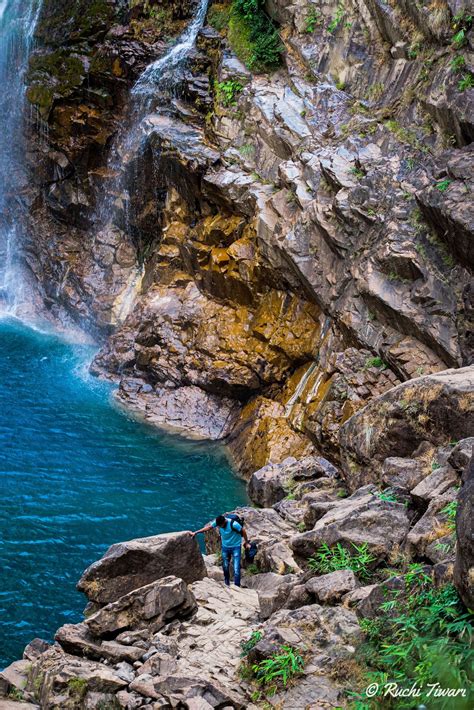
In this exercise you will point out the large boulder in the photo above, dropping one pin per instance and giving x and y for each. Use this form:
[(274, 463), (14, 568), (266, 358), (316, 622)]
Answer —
[(330, 588), (362, 518), (437, 408), (149, 607), (464, 566), (129, 565), (273, 482)]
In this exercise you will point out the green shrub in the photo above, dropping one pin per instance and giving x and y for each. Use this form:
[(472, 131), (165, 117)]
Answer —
[(422, 636), (228, 91), (458, 63), (313, 20), (337, 19), (450, 511), (279, 668), (254, 36), (443, 185), (375, 362), (246, 646), (467, 82), (330, 559), (218, 17)]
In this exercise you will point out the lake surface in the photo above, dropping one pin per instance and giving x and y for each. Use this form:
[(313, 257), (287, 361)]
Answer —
[(76, 475)]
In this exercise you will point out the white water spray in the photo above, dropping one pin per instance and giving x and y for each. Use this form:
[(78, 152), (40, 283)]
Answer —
[(18, 20)]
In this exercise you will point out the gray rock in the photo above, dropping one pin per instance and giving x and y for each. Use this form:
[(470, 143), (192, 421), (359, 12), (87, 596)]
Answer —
[(436, 483), (362, 518), (403, 473), (330, 588), (77, 639), (272, 483), (150, 607), (461, 455), (133, 564)]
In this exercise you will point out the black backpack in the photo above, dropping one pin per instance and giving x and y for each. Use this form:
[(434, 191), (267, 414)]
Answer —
[(234, 518)]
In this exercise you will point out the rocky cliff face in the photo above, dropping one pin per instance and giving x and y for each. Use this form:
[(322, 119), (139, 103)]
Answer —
[(291, 244)]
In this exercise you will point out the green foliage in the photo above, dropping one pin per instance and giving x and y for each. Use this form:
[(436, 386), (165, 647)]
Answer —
[(228, 92), (462, 22), (254, 36), (246, 646), (16, 694), (467, 82), (77, 686), (458, 63), (218, 17), (337, 19), (279, 669), (375, 362), (313, 20), (423, 635), (252, 569), (443, 185), (450, 511), (387, 496), (330, 559)]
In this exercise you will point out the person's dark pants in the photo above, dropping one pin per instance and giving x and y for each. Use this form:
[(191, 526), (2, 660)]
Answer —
[(234, 553)]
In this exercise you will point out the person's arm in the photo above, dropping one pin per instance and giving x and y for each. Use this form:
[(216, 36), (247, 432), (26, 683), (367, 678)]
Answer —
[(245, 536), (207, 527)]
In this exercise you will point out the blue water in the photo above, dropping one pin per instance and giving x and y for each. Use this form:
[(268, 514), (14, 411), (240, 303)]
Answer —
[(78, 475)]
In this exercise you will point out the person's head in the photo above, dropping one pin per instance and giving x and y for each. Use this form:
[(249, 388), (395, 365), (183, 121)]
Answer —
[(221, 521)]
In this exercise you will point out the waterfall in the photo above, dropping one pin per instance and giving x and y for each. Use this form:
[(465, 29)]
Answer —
[(147, 96), (166, 66), (17, 25)]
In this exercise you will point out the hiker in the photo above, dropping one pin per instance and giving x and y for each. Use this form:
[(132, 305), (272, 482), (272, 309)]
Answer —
[(231, 530)]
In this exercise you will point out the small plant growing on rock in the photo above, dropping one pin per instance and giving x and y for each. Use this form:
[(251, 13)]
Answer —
[(450, 512), (313, 20), (461, 25), (78, 687), (279, 669), (467, 82), (387, 495), (252, 569), (458, 63), (228, 91), (443, 185), (375, 362), (16, 694), (331, 559), (337, 19), (251, 642)]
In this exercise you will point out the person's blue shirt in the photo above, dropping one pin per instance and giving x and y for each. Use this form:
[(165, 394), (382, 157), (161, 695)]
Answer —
[(230, 535)]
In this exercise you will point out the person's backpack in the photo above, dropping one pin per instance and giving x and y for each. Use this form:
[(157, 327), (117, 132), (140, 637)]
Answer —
[(234, 518), (250, 552)]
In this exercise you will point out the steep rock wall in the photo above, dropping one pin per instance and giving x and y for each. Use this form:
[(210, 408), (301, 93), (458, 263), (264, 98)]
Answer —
[(303, 244)]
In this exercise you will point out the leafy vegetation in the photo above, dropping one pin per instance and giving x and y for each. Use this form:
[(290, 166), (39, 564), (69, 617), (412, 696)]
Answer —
[(450, 511), (467, 82), (228, 91), (387, 496), (375, 362), (458, 63), (337, 19), (443, 185), (423, 636), (330, 559), (279, 669), (247, 646), (462, 22), (313, 20), (254, 36)]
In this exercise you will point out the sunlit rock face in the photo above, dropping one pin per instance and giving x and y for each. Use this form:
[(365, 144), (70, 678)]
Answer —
[(271, 261)]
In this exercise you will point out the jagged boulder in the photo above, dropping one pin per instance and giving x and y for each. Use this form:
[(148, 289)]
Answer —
[(60, 680), (273, 482), (436, 408), (362, 518), (150, 606), (129, 565), (330, 588), (464, 566)]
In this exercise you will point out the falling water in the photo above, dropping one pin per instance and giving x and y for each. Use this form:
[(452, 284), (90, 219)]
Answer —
[(17, 24), (165, 67), (148, 96)]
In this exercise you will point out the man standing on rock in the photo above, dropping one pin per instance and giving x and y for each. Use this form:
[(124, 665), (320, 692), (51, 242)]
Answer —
[(231, 532)]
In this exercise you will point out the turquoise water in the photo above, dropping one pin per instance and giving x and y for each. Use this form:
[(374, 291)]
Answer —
[(76, 476)]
